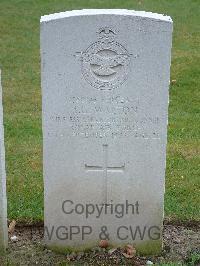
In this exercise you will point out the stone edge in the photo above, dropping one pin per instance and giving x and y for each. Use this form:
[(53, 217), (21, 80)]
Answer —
[(4, 239)]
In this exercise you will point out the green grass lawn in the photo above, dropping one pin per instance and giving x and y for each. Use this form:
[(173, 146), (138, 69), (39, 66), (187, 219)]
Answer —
[(20, 63)]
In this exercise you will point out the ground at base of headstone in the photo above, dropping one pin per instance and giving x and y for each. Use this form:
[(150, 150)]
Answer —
[(181, 247)]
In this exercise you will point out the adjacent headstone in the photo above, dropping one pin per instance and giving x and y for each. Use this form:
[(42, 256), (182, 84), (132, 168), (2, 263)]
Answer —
[(105, 79), (3, 199)]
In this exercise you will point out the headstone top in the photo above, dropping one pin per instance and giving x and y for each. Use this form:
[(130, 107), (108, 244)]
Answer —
[(90, 12)]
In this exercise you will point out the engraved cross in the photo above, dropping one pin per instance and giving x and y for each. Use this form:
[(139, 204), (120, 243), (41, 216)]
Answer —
[(105, 168)]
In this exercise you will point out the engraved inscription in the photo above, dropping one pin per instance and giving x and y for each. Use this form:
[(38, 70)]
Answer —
[(106, 116)]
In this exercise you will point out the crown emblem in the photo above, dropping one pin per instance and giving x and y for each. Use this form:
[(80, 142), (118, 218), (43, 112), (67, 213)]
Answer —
[(106, 33)]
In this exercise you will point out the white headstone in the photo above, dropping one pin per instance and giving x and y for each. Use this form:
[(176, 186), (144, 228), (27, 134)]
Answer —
[(105, 79), (3, 199)]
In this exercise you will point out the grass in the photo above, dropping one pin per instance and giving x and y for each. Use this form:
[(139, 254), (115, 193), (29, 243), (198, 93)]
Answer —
[(20, 63)]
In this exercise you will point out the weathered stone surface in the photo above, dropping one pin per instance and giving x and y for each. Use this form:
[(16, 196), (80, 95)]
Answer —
[(3, 199), (105, 79)]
